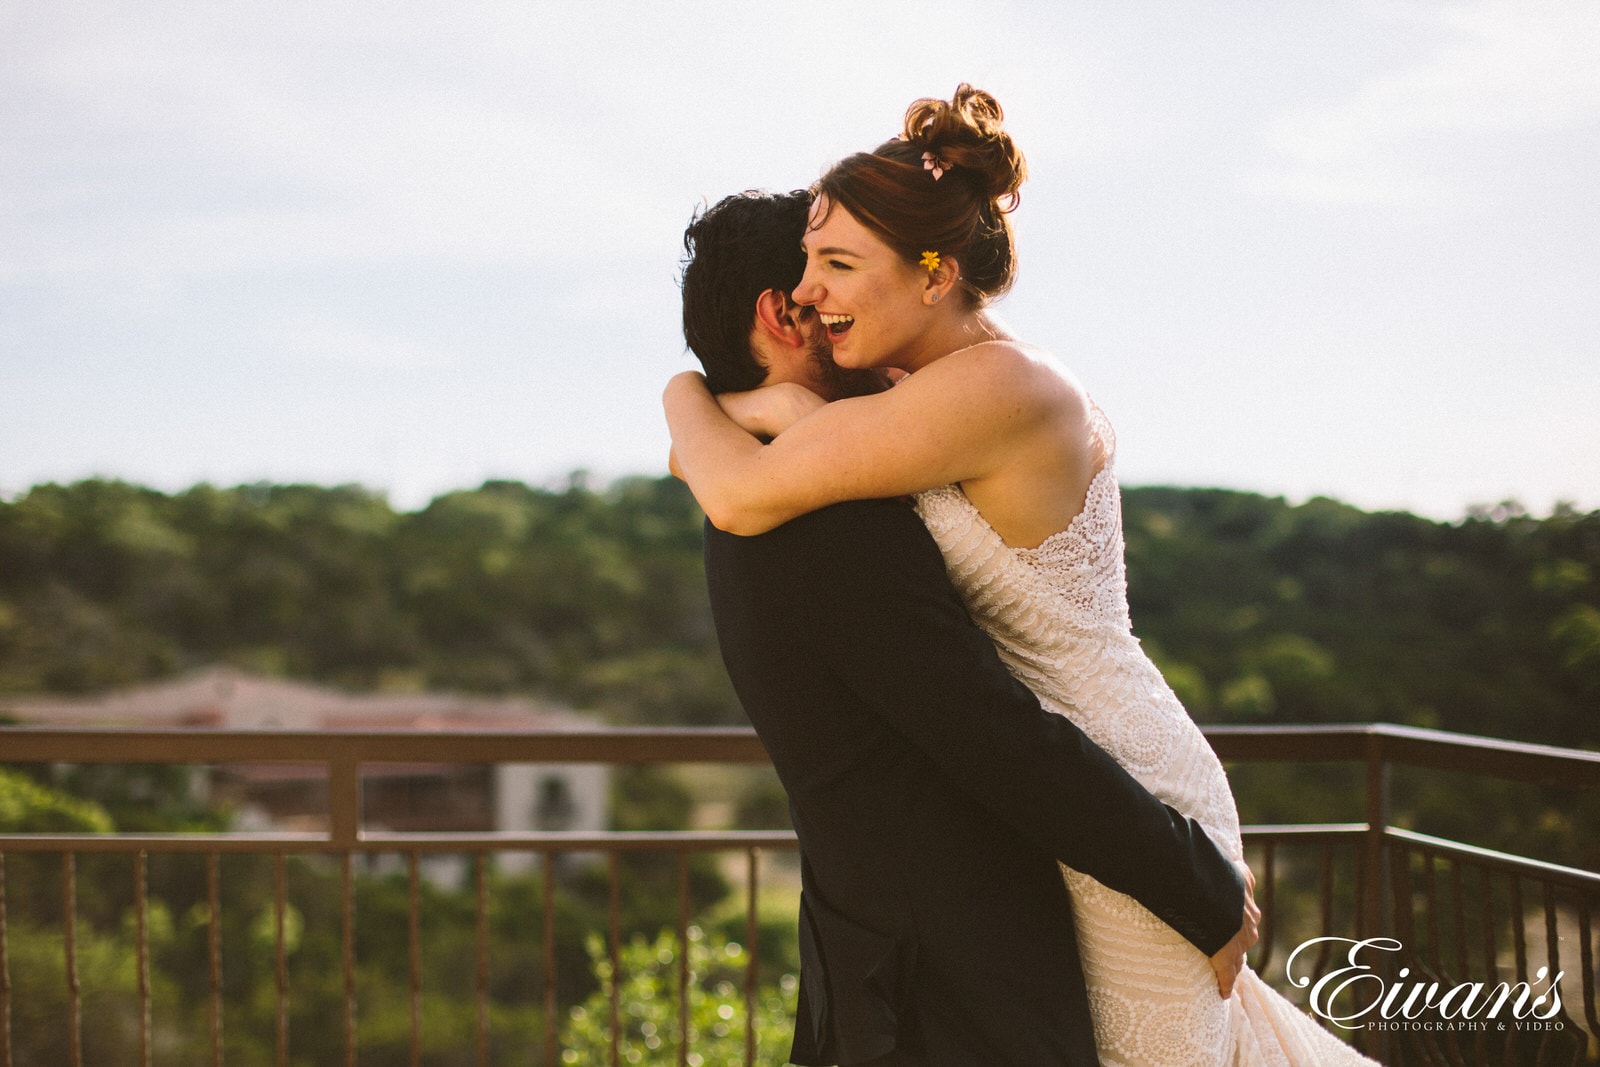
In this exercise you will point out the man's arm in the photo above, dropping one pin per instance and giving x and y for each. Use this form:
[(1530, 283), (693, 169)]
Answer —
[(897, 633)]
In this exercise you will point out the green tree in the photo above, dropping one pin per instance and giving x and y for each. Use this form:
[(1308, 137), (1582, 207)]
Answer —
[(649, 999), (28, 807)]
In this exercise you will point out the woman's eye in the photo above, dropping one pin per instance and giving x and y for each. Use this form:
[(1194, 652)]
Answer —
[(836, 265)]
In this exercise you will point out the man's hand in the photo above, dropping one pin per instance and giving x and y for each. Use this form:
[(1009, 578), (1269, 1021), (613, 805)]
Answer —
[(1229, 960)]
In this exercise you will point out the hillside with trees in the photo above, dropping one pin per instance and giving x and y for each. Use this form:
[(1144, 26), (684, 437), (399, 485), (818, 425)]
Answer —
[(1257, 610)]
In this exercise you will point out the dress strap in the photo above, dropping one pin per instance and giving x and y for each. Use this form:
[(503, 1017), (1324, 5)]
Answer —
[(1105, 437)]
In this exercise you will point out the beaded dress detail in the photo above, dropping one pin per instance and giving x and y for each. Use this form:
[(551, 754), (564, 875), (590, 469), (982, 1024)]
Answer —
[(1059, 615)]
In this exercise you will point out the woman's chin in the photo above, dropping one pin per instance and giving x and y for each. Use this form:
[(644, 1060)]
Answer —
[(851, 357)]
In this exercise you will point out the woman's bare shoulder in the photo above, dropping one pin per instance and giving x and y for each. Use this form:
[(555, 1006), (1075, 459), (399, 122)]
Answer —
[(1016, 370)]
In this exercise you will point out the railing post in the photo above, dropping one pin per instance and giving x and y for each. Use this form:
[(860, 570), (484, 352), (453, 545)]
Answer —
[(344, 799), (1373, 897), (5, 970), (1377, 802)]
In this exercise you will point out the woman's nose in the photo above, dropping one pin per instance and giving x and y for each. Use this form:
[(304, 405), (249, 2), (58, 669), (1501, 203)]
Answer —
[(808, 291)]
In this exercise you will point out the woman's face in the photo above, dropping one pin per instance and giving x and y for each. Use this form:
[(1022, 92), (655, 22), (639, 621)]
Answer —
[(870, 300)]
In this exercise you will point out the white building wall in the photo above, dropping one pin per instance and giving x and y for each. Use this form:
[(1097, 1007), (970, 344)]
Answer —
[(523, 795)]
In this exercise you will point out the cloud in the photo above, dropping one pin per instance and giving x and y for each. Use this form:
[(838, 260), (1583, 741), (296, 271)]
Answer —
[(160, 145), (1502, 68), (328, 341), (225, 141)]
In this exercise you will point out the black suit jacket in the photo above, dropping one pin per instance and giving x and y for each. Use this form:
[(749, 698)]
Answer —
[(931, 795)]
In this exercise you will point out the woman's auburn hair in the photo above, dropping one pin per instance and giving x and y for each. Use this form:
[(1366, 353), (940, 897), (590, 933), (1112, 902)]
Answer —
[(961, 214)]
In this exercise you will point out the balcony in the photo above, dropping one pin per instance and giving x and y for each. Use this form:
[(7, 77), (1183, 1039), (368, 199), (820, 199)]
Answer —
[(205, 954)]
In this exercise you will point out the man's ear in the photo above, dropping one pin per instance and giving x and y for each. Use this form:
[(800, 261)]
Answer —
[(778, 317)]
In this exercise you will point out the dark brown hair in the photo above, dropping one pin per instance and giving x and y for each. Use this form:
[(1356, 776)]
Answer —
[(962, 213), (733, 252)]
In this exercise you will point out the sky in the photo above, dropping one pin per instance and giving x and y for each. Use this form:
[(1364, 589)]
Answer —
[(1302, 248)]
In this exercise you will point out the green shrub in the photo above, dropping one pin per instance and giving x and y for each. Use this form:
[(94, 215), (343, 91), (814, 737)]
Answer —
[(648, 1006)]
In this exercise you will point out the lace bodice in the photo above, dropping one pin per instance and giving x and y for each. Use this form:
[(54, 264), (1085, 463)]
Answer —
[(1058, 614), (1080, 568)]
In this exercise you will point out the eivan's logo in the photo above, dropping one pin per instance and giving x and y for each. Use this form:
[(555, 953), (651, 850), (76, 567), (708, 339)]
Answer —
[(1410, 1000)]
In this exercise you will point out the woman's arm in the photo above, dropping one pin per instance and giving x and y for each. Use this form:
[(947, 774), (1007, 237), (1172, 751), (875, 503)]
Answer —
[(765, 411), (768, 410), (956, 420)]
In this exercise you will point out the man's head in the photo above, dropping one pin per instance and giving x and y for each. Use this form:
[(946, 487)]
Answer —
[(741, 259)]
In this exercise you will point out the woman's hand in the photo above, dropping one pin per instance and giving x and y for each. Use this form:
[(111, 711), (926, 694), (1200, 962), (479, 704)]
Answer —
[(768, 411), (685, 383)]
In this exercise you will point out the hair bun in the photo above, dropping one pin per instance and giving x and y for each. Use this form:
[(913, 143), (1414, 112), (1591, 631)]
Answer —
[(966, 131)]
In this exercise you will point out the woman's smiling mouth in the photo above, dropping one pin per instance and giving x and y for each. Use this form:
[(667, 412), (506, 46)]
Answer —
[(837, 325)]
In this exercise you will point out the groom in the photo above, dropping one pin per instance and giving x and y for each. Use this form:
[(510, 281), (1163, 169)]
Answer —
[(931, 794)]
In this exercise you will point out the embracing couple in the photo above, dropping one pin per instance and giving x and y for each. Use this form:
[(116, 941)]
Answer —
[(1017, 848)]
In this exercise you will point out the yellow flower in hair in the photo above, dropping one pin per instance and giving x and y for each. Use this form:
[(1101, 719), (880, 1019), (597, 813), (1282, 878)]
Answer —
[(931, 261)]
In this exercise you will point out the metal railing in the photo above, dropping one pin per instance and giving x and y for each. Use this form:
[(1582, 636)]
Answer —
[(1475, 931)]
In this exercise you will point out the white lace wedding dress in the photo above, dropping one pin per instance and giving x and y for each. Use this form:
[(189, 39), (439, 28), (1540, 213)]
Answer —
[(1059, 615)]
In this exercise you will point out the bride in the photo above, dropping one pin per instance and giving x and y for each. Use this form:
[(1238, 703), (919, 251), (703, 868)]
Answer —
[(1011, 466)]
